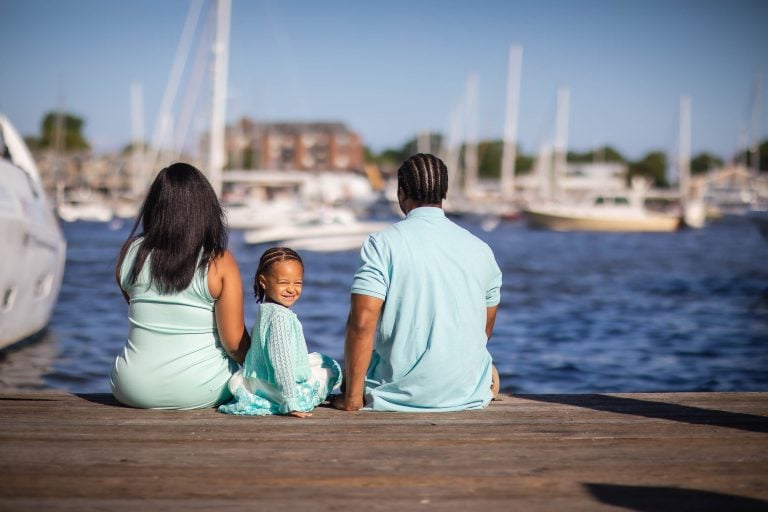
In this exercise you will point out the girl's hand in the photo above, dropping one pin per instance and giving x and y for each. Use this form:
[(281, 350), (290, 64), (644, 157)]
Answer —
[(300, 414)]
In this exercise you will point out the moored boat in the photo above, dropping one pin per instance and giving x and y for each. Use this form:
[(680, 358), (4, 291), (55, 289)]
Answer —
[(85, 206), (335, 229), (606, 212), (33, 251)]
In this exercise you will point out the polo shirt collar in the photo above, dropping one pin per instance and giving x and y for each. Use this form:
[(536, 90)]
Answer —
[(423, 212)]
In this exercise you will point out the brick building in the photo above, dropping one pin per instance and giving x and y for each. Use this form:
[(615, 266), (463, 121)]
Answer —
[(314, 146)]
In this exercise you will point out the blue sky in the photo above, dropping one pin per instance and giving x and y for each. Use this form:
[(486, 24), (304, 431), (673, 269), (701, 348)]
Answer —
[(391, 69)]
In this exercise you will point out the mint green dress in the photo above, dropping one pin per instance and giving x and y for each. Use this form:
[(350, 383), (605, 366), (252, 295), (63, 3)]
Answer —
[(279, 376), (172, 358)]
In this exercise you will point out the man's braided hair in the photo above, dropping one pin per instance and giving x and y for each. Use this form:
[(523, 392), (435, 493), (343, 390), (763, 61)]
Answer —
[(423, 178)]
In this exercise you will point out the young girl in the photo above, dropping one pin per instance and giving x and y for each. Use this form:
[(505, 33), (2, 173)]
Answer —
[(279, 376)]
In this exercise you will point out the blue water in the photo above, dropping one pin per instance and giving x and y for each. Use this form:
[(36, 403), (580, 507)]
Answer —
[(580, 312)]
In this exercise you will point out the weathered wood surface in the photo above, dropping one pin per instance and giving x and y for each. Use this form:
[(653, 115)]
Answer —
[(686, 451)]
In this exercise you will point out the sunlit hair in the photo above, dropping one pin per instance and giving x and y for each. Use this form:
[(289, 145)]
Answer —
[(423, 178), (183, 228), (269, 258)]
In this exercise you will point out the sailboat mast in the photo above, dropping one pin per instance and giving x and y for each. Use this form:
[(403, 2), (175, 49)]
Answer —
[(755, 131), (58, 147), (423, 142), (137, 148), (470, 156), (561, 137), (163, 122), (509, 154), (218, 112), (684, 150), (452, 150)]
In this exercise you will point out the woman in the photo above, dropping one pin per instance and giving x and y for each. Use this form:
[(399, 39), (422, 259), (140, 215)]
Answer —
[(185, 299)]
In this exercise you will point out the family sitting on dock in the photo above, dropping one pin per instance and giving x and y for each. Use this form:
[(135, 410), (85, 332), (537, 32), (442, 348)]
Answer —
[(423, 305)]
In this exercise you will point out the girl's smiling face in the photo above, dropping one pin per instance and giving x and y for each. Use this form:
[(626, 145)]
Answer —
[(282, 282)]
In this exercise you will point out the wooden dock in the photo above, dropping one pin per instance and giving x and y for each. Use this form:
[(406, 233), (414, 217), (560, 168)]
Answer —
[(645, 452)]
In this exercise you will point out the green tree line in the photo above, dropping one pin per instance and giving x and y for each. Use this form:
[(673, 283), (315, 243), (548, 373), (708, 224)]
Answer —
[(68, 127), (652, 165)]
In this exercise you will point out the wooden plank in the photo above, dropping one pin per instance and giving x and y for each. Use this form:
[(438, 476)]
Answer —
[(678, 451)]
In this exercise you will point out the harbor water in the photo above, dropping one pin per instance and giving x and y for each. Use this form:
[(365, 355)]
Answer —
[(580, 312)]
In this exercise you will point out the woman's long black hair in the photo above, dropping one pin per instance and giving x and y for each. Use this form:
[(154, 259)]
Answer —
[(183, 228)]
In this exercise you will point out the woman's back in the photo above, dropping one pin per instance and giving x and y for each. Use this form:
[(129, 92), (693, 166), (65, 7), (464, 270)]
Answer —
[(172, 358)]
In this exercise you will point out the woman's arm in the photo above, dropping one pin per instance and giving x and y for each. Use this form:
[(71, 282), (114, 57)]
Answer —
[(118, 266), (226, 287)]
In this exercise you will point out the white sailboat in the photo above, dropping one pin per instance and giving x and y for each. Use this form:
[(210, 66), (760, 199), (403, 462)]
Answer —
[(610, 209), (758, 212), (693, 209), (509, 153), (331, 229), (468, 196), (33, 251), (84, 205), (257, 199)]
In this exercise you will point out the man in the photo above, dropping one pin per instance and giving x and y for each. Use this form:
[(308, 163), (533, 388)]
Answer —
[(423, 306)]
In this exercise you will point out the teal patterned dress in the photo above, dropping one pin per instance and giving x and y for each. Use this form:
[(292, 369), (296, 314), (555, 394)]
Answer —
[(279, 375)]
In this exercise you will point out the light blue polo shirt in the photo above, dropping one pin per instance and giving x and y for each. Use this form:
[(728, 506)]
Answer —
[(437, 281)]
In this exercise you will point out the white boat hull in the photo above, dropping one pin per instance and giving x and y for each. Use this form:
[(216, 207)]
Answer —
[(695, 214), (259, 215), (30, 278), (561, 221), (33, 250), (327, 243), (339, 232), (89, 212)]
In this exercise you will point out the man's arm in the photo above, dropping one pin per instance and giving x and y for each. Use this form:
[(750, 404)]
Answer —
[(358, 346), (490, 319)]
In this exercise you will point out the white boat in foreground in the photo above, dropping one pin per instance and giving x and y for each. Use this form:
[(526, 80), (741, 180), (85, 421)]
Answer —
[(333, 230), (619, 213), (33, 249)]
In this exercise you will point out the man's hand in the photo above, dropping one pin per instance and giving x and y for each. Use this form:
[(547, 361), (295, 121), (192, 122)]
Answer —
[(341, 403)]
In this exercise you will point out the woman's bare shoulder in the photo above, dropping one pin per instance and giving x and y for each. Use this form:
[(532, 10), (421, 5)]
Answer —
[(222, 262), (223, 266)]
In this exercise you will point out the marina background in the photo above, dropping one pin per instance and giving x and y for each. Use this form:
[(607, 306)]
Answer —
[(391, 70), (630, 134), (580, 312), (633, 116)]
